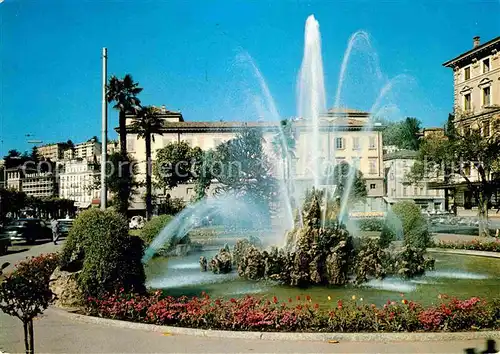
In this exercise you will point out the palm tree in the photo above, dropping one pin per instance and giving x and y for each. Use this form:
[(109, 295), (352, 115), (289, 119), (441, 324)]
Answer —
[(123, 92), (146, 124)]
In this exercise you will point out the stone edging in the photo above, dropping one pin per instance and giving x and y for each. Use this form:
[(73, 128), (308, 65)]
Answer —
[(288, 336), (465, 252)]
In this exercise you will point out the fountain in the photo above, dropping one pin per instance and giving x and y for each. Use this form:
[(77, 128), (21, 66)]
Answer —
[(314, 249)]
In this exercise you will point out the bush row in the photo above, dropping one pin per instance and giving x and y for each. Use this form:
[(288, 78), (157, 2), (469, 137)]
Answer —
[(475, 245), (260, 314)]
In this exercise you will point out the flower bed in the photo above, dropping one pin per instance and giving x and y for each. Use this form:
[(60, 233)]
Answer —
[(474, 245), (301, 314)]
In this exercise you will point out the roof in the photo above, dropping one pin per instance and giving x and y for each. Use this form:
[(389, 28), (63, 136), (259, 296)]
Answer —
[(401, 154), (325, 124), (474, 51)]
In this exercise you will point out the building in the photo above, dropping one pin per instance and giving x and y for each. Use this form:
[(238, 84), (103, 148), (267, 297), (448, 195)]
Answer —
[(476, 92), (345, 135), (113, 146), (52, 152), (89, 150), (476, 86), (32, 182), (78, 182), (396, 166)]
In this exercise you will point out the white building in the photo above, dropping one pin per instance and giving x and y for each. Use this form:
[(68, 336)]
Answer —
[(396, 166), (78, 182), (32, 182), (89, 150)]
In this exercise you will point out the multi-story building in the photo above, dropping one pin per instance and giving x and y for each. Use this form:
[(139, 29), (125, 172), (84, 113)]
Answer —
[(343, 135), (78, 182), (476, 93), (89, 150), (32, 181), (53, 152), (113, 146), (397, 165), (476, 86)]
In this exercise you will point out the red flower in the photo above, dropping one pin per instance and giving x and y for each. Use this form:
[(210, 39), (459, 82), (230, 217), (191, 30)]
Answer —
[(339, 304), (298, 297), (275, 299), (233, 300), (308, 298), (316, 306), (289, 299)]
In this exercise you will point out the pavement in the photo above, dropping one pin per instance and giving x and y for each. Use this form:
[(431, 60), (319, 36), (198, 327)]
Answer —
[(55, 333)]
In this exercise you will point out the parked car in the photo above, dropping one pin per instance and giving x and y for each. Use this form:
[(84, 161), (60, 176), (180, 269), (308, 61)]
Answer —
[(65, 226), (28, 230), (4, 242), (137, 222)]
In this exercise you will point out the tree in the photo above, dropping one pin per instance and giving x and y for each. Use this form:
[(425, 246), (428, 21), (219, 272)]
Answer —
[(34, 154), (146, 124), (410, 134), (117, 181), (123, 92), (453, 157), (403, 134), (343, 174), (176, 163), (242, 168)]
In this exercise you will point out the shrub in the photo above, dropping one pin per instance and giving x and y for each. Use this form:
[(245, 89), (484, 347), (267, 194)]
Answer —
[(38, 268), (109, 258), (153, 227), (172, 206), (387, 235), (415, 228), (474, 245), (371, 224)]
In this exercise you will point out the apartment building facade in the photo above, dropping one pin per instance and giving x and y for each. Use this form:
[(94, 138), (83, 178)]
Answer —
[(52, 152), (476, 93), (32, 182), (78, 182), (397, 165), (343, 136)]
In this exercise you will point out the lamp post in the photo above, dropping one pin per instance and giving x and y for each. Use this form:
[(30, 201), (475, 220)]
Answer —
[(104, 137)]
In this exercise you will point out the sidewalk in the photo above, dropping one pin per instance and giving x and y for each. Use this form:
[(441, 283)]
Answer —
[(55, 333)]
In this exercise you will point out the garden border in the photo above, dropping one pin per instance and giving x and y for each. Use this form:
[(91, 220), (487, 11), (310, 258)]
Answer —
[(464, 252), (288, 336)]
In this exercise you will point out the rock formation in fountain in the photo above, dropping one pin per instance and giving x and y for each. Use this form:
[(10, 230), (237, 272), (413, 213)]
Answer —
[(222, 263), (316, 254)]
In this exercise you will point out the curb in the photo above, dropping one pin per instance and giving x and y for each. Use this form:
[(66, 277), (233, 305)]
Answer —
[(284, 336), (465, 252)]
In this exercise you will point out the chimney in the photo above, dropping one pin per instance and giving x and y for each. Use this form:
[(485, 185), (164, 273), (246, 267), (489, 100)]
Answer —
[(476, 41)]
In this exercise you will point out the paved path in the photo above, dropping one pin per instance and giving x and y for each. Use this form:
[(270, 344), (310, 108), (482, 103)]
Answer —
[(55, 333)]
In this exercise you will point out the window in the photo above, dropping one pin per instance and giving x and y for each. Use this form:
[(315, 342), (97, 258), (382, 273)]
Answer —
[(466, 169), (415, 191), (373, 166), (467, 103), (355, 143), (467, 73), (486, 65), (373, 186), (339, 143), (372, 143), (356, 162), (486, 129), (486, 96), (421, 190), (404, 191)]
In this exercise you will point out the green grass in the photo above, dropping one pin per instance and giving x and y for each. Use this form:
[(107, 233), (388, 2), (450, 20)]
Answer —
[(134, 232)]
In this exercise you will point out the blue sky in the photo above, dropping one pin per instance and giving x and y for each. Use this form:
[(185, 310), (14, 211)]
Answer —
[(187, 55)]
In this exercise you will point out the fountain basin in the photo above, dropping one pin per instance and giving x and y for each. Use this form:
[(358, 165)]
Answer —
[(458, 276)]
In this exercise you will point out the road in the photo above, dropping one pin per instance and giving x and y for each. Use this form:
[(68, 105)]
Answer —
[(20, 251)]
